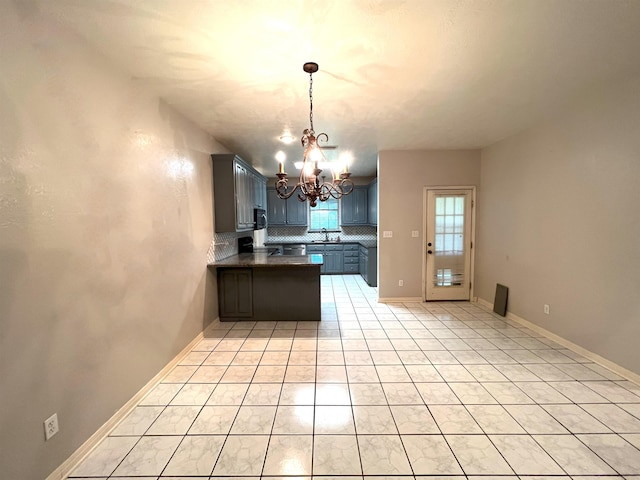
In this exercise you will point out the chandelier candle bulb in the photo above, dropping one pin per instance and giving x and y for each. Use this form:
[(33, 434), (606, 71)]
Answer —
[(280, 167)]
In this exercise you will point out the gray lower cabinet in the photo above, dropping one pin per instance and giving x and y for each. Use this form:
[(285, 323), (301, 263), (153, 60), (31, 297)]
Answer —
[(333, 258), (351, 260), (264, 293), (369, 265), (235, 292), (340, 258)]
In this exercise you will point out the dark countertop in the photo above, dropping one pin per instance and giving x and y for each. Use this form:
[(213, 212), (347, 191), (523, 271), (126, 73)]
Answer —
[(265, 260), (369, 243), (364, 243)]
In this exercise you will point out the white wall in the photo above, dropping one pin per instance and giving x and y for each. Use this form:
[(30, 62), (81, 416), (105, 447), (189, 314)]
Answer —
[(402, 176), (105, 222), (558, 223)]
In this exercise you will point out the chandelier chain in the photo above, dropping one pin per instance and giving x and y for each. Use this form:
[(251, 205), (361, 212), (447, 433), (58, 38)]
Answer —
[(311, 101)]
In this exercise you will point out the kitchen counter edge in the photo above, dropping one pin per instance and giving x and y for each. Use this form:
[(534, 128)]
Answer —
[(247, 260)]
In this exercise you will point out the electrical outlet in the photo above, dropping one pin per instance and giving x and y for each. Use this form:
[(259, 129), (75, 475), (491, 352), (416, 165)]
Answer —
[(401, 283), (51, 426), (387, 234), (414, 233), (546, 309)]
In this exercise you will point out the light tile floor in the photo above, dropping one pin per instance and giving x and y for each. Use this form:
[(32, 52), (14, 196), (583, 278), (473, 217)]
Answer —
[(396, 390)]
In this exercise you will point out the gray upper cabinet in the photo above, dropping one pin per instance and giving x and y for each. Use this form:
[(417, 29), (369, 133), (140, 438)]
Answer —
[(372, 214), (354, 206), (259, 191), (237, 189), (291, 212)]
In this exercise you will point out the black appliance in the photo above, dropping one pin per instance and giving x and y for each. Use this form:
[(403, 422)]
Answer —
[(259, 218), (245, 245)]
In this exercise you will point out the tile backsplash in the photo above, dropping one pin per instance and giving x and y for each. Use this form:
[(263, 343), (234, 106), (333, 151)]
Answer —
[(300, 234), (224, 245)]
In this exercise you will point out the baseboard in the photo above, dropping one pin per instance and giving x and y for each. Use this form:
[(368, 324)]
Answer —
[(76, 457), (399, 299), (484, 303), (614, 367)]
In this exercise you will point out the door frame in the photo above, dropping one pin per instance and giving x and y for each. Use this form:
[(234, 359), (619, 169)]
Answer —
[(474, 204)]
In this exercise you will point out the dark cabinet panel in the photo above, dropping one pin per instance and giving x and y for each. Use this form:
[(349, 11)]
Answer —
[(259, 191), (276, 209), (333, 261), (236, 189), (369, 265), (372, 194), (290, 212), (354, 207), (264, 293), (235, 292), (297, 211)]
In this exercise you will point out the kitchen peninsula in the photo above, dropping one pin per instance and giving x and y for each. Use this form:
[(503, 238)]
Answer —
[(258, 286)]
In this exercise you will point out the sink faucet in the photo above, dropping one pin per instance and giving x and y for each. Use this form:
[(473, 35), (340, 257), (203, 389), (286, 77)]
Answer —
[(326, 234)]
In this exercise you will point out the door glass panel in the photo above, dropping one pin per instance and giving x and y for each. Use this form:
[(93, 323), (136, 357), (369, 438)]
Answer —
[(449, 252)]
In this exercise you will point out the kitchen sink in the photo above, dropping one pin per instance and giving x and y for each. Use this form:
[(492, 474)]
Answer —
[(325, 241)]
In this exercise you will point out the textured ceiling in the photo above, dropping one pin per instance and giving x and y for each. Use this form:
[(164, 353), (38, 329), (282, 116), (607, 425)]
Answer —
[(405, 75)]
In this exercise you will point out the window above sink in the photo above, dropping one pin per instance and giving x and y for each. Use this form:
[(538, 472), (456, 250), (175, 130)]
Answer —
[(325, 215)]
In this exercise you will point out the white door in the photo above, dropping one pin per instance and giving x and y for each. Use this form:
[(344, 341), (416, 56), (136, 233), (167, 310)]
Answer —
[(448, 244)]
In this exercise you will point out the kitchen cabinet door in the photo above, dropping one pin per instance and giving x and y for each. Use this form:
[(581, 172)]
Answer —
[(235, 292), (334, 258), (296, 211), (354, 207), (259, 191), (276, 209), (234, 194), (363, 264), (369, 265), (291, 212), (244, 194), (334, 262), (372, 200)]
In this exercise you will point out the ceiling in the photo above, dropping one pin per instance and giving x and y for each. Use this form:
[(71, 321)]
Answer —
[(394, 74)]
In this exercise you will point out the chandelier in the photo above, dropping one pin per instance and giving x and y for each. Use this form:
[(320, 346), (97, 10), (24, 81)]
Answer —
[(309, 185)]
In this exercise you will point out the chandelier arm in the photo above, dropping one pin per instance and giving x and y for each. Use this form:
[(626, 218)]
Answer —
[(337, 189), (325, 192), (281, 189), (334, 191), (348, 182), (322, 137)]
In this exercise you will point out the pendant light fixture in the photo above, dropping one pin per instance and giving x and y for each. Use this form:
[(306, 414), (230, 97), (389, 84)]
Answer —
[(309, 184)]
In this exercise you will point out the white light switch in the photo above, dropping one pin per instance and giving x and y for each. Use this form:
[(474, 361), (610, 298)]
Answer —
[(387, 234), (414, 233)]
